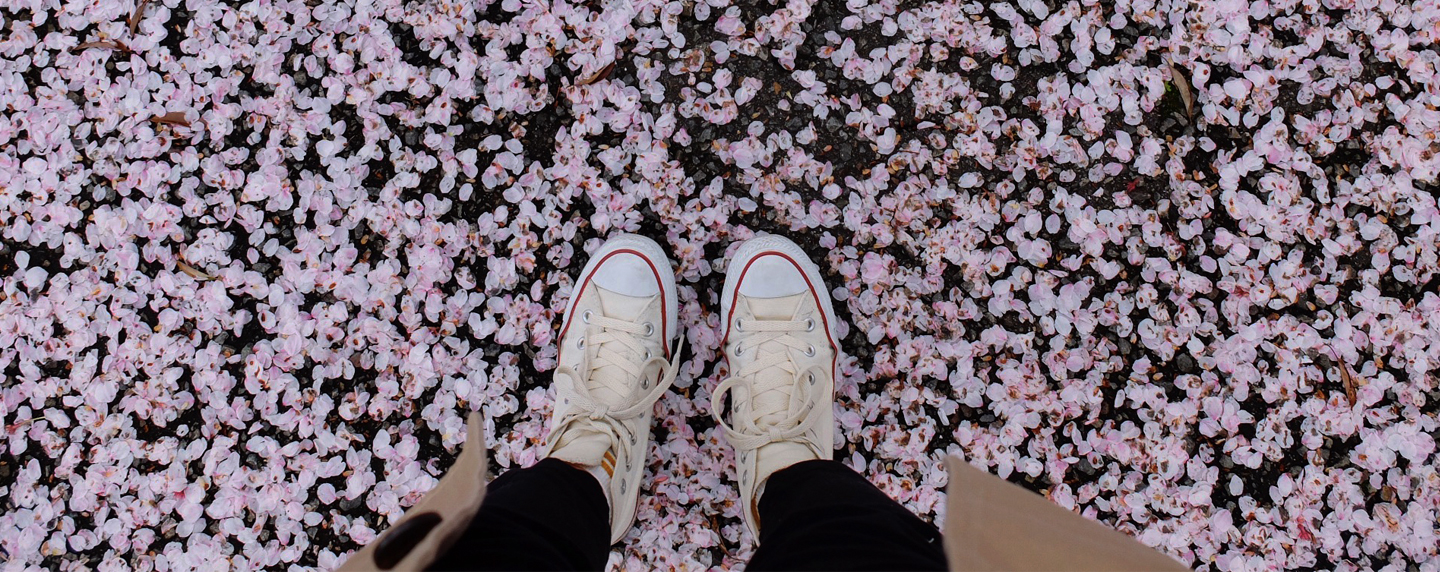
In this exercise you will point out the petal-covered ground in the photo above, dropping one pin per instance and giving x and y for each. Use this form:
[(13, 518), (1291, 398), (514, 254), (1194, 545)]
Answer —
[(1171, 264)]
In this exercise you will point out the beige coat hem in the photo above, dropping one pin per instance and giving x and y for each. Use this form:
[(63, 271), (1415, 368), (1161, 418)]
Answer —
[(990, 524)]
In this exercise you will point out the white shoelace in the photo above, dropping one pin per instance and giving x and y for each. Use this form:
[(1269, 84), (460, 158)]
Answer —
[(773, 370), (615, 343)]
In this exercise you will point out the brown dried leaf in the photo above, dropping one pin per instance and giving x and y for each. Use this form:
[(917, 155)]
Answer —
[(172, 118), (139, 13), (602, 74), (1182, 84), (192, 271)]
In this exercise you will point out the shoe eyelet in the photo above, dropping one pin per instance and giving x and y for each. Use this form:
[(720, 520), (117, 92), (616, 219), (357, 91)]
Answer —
[(585, 316), (739, 350), (649, 328), (812, 379), (809, 324), (580, 343), (740, 325), (810, 352), (632, 443), (648, 354), (623, 486)]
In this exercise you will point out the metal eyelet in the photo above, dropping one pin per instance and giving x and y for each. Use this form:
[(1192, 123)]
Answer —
[(810, 352), (585, 316), (648, 355), (809, 324), (580, 343), (649, 328), (812, 379), (740, 325), (739, 349)]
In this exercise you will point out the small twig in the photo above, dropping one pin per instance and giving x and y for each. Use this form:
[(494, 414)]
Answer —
[(192, 271), (139, 13), (599, 75), (1351, 384), (172, 118), (102, 44), (1347, 378)]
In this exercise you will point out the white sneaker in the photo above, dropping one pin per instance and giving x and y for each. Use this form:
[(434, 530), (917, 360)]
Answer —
[(614, 342), (781, 344)]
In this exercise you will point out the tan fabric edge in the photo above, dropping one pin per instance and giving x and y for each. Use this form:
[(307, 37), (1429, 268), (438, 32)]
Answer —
[(456, 499), (992, 524)]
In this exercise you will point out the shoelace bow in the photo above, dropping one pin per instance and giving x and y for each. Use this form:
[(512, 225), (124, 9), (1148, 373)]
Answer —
[(605, 341), (760, 336)]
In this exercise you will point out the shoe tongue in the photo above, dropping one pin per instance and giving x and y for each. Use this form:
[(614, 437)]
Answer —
[(774, 405), (782, 308), (621, 307)]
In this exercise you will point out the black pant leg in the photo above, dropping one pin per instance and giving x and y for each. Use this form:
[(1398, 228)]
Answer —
[(820, 515), (550, 516)]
